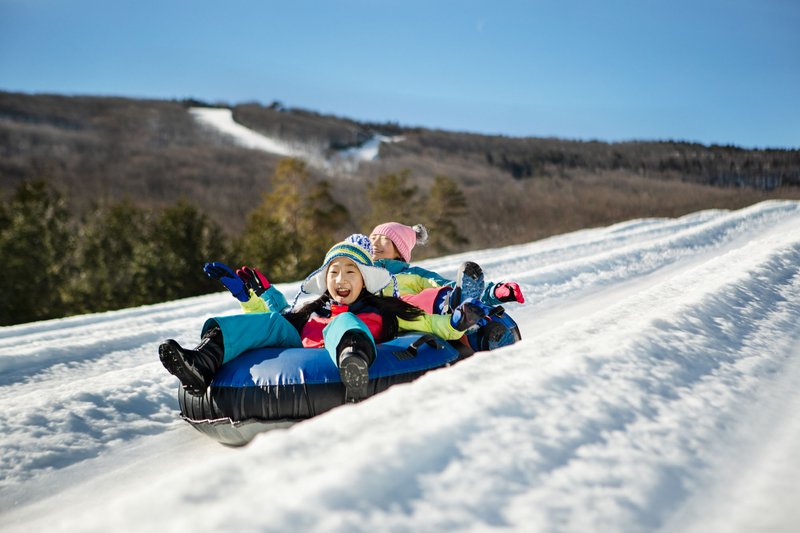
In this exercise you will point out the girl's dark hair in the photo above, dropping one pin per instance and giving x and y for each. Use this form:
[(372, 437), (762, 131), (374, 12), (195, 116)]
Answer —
[(389, 307), (300, 317)]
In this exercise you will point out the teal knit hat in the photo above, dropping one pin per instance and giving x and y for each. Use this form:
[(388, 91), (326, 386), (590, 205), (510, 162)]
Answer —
[(357, 248)]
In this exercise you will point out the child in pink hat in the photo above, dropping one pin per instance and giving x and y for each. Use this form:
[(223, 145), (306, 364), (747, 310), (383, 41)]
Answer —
[(392, 243), (393, 240)]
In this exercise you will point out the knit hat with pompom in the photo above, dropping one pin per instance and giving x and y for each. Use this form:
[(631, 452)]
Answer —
[(403, 237)]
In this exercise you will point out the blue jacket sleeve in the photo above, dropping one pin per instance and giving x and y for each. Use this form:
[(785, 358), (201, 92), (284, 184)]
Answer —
[(488, 296), (275, 300)]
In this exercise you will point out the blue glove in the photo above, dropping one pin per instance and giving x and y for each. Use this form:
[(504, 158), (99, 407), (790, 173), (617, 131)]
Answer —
[(226, 276), (469, 313)]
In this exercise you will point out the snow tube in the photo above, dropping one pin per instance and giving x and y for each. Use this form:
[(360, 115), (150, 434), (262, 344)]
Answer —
[(270, 388), (501, 331)]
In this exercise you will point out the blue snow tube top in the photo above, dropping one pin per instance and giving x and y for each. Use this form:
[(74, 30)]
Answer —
[(292, 384)]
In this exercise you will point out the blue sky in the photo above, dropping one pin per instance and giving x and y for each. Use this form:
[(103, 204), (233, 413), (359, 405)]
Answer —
[(709, 71)]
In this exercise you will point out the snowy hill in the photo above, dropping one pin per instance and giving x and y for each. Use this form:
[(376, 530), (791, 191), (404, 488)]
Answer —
[(657, 382)]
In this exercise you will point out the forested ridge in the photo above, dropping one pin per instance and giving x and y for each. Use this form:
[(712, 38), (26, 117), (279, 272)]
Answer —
[(114, 202)]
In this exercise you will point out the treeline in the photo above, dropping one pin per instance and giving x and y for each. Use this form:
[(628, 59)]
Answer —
[(723, 166), (120, 255), (524, 158)]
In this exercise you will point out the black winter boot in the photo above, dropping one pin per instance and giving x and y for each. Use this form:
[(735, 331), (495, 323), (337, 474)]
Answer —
[(194, 368), (355, 353)]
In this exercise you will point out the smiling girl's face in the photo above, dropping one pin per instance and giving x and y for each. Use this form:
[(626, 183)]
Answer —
[(343, 280), (383, 247)]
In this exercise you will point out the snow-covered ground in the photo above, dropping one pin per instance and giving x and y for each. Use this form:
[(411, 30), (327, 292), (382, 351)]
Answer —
[(221, 120), (656, 387)]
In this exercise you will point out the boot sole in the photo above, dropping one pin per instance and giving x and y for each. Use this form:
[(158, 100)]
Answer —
[(354, 373), (469, 284), (173, 362), (472, 270)]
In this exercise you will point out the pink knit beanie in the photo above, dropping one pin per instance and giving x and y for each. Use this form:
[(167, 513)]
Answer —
[(403, 237)]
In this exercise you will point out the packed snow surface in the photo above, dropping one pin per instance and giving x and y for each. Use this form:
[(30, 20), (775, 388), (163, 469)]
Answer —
[(656, 387)]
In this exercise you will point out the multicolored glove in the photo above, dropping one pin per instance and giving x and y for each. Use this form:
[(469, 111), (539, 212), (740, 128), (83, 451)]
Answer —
[(469, 313), (226, 276), (253, 279), (509, 291)]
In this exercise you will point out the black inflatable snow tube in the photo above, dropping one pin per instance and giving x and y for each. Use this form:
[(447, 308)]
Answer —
[(276, 387), (273, 387)]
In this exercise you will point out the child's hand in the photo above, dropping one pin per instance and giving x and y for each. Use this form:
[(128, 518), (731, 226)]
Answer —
[(222, 273), (509, 291), (253, 279)]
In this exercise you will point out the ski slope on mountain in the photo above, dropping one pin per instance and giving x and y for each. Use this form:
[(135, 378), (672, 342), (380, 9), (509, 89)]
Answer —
[(656, 388), (221, 120)]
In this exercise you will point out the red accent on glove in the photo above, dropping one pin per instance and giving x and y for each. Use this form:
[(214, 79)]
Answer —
[(254, 279), (262, 279)]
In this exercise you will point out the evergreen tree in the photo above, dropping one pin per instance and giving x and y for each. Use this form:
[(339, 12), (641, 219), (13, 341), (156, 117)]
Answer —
[(169, 265), (263, 244), (5, 217), (323, 216), (103, 269), (127, 256), (444, 206), (35, 245), (289, 233), (392, 198)]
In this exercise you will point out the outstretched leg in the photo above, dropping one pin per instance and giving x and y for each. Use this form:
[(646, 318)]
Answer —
[(469, 284)]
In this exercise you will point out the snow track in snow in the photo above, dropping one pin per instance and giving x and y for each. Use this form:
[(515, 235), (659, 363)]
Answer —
[(650, 350)]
